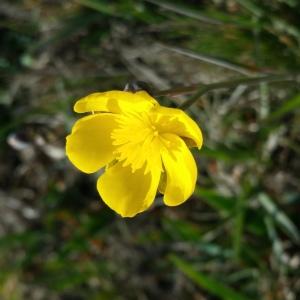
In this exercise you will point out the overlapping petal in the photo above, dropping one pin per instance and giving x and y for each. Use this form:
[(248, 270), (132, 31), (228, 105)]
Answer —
[(126, 192), (173, 120), (115, 102), (180, 168), (89, 146), (143, 145)]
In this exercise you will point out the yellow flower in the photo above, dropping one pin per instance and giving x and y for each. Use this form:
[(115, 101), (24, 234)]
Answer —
[(143, 145)]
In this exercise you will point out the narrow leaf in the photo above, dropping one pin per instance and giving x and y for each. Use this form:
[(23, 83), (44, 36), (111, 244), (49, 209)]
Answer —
[(279, 217), (210, 284)]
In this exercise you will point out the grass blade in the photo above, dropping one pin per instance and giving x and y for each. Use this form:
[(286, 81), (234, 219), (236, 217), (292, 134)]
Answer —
[(286, 107), (238, 228), (210, 284), (223, 204), (279, 217)]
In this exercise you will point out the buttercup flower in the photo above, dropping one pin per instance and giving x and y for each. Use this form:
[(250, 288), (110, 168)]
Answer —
[(143, 145)]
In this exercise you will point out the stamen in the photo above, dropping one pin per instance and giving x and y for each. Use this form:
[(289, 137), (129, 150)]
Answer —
[(133, 139)]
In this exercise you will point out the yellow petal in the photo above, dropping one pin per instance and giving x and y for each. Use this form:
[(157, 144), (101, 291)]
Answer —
[(176, 121), (89, 146), (180, 168), (128, 193), (115, 102)]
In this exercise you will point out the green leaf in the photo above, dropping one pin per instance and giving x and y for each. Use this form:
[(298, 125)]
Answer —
[(104, 8), (238, 227), (277, 244), (279, 217), (217, 201), (228, 155), (206, 282), (182, 230), (286, 107)]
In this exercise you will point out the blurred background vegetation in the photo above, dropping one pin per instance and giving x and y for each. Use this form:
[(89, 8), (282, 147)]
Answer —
[(237, 238)]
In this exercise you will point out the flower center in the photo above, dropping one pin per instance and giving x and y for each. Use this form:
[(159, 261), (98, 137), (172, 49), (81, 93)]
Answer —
[(136, 139)]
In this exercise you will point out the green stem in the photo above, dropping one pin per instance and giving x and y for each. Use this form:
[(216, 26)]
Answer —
[(201, 88), (239, 226)]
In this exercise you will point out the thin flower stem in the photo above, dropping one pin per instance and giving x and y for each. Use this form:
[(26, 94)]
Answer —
[(200, 89)]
